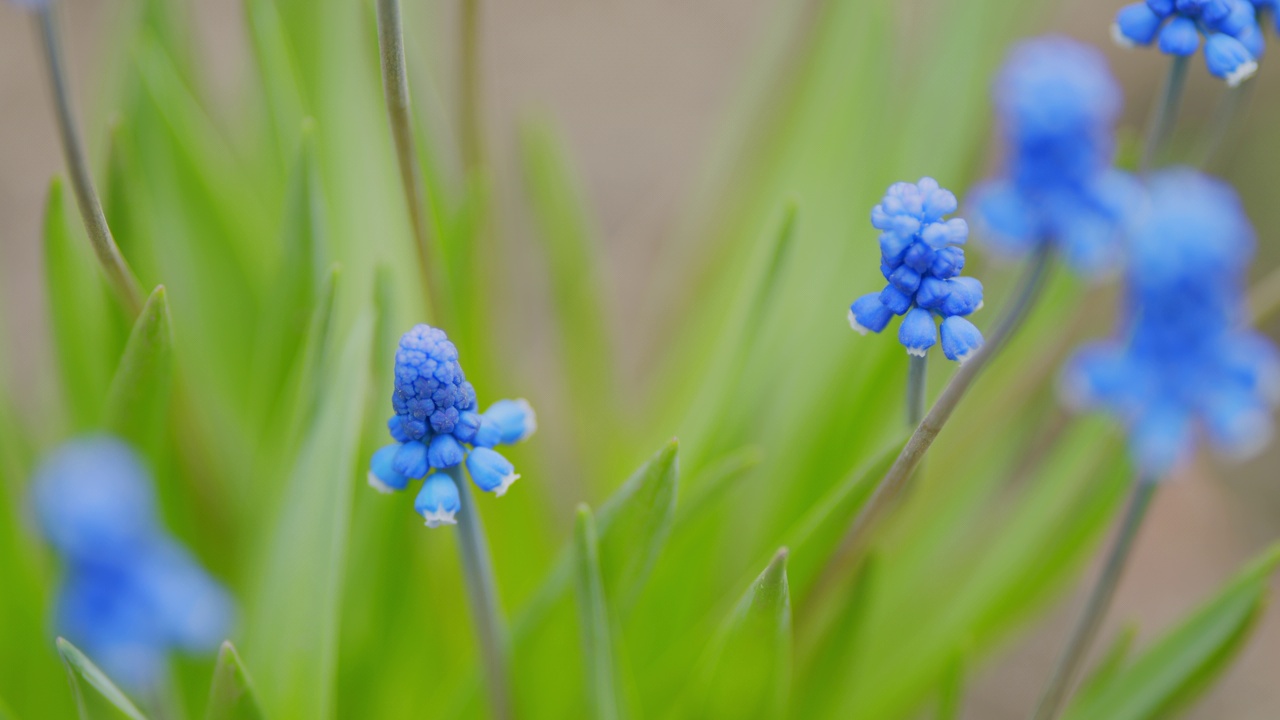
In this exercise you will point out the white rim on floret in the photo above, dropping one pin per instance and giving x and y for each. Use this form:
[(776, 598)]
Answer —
[(1120, 38), (1242, 73), (853, 323), (505, 485), (439, 517), (918, 352), (530, 418), (376, 483)]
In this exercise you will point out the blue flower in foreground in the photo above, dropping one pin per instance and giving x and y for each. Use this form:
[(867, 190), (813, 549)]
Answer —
[(921, 258), (1186, 365), (1233, 38), (436, 427), (1057, 104), (131, 593)]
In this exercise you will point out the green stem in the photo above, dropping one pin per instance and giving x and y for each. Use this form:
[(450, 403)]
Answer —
[(922, 439), (482, 597), (469, 87), (395, 90), (1166, 111), (1229, 109), (1264, 297), (118, 272), (1086, 629), (917, 371)]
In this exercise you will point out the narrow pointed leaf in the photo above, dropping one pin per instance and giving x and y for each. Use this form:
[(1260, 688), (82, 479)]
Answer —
[(593, 620), (232, 696), (635, 523), (138, 399), (1181, 665), (752, 676), (294, 614), (101, 699), (79, 304)]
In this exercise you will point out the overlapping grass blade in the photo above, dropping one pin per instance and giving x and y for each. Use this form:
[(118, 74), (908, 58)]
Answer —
[(231, 696), (101, 699), (604, 698), (138, 399)]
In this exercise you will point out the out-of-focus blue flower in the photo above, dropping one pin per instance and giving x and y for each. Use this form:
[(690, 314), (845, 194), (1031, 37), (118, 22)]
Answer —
[(437, 426), (921, 259), (1233, 38), (1058, 104), (1185, 366), (1272, 6), (131, 594)]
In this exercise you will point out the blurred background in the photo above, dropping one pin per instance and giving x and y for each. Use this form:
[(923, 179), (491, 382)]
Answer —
[(642, 91)]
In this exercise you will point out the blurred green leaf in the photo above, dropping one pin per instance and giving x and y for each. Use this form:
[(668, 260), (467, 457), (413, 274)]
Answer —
[(603, 696), (556, 199), (79, 307), (635, 523), (1110, 665), (138, 399), (834, 662), (751, 673), (294, 611), (951, 695), (232, 696), (1179, 667), (107, 701)]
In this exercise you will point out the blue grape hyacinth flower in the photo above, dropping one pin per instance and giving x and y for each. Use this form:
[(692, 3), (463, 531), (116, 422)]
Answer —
[(1186, 366), (131, 594), (921, 257), (1057, 104), (436, 426), (1233, 39)]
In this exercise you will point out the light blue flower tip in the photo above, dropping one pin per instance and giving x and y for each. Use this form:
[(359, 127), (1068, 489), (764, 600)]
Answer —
[(410, 460), (382, 473), (868, 314), (445, 452), (918, 332), (490, 471), (1135, 24), (438, 502), (960, 339), (1229, 59), (514, 420)]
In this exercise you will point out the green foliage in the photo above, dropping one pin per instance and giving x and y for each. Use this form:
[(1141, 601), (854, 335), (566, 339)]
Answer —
[(101, 699), (256, 383)]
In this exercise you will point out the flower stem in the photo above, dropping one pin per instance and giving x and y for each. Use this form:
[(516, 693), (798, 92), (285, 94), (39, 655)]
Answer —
[(1166, 111), (469, 89), (920, 441), (1229, 109), (395, 90), (1264, 298), (119, 274), (1086, 629), (917, 371), (482, 597)]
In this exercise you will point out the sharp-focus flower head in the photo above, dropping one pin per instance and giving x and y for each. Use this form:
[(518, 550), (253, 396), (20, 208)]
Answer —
[(436, 426), (1233, 39), (131, 594), (1057, 104), (921, 258), (1186, 366)]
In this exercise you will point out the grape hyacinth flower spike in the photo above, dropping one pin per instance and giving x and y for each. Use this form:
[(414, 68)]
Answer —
[(436, 427), (921, 258), (1233, 39), (1057, 105), (131, 594), (1185, 367)]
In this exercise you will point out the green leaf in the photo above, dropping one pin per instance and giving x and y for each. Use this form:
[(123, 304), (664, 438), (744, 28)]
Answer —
[(79, 305), (834, 662), (1174, 671), (558, 208), (752, 673), (107, 701), (294, 615), (951, 695), (232, 696), (600, 662), (635, 523), (138, 400)]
